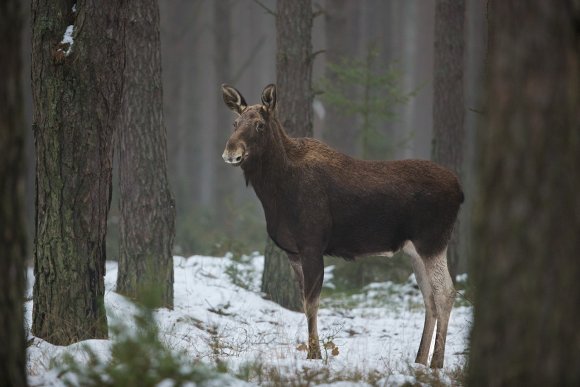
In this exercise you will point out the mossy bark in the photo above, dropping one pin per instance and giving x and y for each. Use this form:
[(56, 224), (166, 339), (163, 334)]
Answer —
[(146, 202), (294, 89), (12, 230), (76, 98), (525, 263)]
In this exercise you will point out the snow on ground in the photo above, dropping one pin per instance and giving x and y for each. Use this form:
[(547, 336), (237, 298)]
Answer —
[(219, 315)]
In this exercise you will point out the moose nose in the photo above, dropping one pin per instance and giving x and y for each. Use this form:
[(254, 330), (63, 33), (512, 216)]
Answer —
[(232, 158)]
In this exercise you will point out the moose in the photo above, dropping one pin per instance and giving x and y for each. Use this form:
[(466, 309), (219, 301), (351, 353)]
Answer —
[(318, 201)]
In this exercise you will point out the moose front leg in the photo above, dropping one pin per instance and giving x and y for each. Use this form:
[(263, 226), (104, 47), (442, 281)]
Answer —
[(313, 271)]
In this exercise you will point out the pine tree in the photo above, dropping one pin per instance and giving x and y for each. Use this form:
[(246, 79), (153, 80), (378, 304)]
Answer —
[(76, 88), (147, 208), (448, 101), (525, 262), (294, 88)]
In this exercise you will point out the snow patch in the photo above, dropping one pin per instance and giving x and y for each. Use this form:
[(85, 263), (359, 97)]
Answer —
[(67, 39), (377, 329)]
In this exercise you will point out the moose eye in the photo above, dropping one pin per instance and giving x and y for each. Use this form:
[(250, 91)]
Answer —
[(259, 126)]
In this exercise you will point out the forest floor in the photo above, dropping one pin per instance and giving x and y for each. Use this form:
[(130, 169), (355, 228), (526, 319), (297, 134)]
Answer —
[(220, 319)]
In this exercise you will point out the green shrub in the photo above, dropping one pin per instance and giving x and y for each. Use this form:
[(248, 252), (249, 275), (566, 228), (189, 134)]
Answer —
[(377, 94), (138, 358)]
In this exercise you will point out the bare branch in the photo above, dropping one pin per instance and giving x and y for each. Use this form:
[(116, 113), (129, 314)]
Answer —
[(319, 11), (464, 297), (317, 92), (478, 111), (265, 8), (316, 53), (249, 60)]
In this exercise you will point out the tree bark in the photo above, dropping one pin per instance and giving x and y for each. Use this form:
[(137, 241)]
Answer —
[(76, 95), (147, 221), (448, 101), (12, 234), (294, 88), (525, 258)]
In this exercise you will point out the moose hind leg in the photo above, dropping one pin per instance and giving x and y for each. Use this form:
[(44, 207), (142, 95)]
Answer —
[(444, 296), (430, 311), (313, 270)]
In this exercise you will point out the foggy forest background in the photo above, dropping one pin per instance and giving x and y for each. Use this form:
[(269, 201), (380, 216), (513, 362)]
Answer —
[(207, 43), (375, 75)]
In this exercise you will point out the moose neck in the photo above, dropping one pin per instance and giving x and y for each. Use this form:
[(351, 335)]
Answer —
[(274, 165)]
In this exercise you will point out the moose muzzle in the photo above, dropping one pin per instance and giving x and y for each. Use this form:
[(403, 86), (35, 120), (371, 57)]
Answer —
[(233, 157)]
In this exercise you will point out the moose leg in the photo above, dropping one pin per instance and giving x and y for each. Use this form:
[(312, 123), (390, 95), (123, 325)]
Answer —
[(430, 311), (313, 269), (444, 296), (297, 267)]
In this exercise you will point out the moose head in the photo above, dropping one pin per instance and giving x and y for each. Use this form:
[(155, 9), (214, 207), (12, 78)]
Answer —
[(252, 126)]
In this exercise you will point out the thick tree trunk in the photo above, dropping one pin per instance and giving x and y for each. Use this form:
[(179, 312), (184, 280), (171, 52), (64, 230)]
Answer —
[(448, 103), (525, 259), (12, 234), (76, 95), (294, 66), (146, 203), (294, 85), (278, 279)]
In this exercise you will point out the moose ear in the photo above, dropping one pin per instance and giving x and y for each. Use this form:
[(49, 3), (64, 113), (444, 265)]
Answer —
[(269, 97), (233, 99)]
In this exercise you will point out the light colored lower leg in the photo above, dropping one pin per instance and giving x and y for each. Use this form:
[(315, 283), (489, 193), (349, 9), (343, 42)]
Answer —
[(443, 295), (430, 312), (311, 310)]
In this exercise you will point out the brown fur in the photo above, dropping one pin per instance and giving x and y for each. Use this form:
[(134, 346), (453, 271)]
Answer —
[(318, 201)]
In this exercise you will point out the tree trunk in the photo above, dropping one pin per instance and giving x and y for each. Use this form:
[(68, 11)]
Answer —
[(146, 203), (278, 279), (448, 104), (294, 85), (76, 95), (12, 234), (525, 260), (475, 51)]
